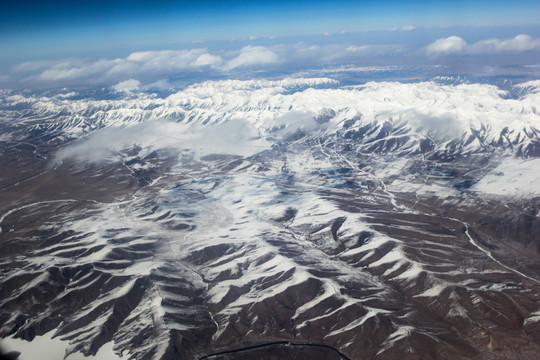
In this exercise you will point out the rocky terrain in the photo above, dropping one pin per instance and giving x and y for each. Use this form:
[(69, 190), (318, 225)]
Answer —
[(295, 219)]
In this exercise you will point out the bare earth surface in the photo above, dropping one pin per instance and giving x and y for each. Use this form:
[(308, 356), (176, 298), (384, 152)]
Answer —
[(310, 247)]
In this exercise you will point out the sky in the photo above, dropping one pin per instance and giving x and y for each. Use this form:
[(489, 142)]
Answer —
[(78, 38)]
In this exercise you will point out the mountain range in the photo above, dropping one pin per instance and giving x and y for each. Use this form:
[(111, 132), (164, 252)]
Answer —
[(295, 218)]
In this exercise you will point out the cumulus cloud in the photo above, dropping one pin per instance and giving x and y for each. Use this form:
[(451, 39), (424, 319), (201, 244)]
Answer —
[(142, 63), (446, 46), (147, 66), (519, 43), (150, 67), (253, 55), (456, 45), (168, 60)]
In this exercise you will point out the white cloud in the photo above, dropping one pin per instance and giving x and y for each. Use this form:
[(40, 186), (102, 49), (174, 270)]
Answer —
[(151, 66), (446, 46), (456, 45), (145, 65), (519, 43), (358, 48), (74, 69), (127, 85), (142, 63), (160, 85), (253, 55), (242, 139), (31, 66), (336, 53), (165, 60), (375, 50), (148, 67), (210, 60), (299, 50), (408, 28), (123, 68)]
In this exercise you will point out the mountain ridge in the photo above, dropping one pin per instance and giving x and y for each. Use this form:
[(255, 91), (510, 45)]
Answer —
[(234, 214)]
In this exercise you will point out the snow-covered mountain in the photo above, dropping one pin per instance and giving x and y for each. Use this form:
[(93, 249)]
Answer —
[(298, 217), (384, 117)]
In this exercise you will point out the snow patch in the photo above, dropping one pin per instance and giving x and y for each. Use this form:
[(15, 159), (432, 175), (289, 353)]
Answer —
[(512, 177), (47, 347)]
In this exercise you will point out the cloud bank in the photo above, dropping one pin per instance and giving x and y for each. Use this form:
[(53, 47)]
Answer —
[(143, 63), (144, 69), (153, 66)]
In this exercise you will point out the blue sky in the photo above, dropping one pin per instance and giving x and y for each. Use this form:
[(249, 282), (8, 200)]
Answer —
[(43, 27), (112, 30)]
